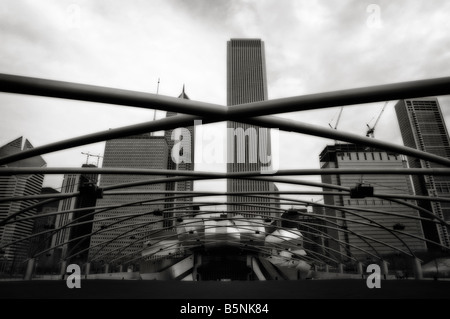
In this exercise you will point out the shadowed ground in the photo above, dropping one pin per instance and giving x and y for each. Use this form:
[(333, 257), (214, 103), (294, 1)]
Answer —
[(305, 289)]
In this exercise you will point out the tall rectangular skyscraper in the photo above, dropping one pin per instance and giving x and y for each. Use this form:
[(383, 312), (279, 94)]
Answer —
[(370, 230), (422, 127), (248, 146), (65, 240), (117, 232)]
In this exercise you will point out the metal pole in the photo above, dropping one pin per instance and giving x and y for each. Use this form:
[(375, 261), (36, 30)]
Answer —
[(63, 269), (341, 268), (100, 94), (359, 267), (384, 268), (83, 92), (87, 269), (319, 131), (29, 270), (311, 171), (214, 113), (162, 124), (379, 93), (417, 266)]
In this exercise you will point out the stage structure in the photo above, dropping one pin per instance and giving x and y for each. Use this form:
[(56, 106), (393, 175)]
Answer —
[(234, 244)]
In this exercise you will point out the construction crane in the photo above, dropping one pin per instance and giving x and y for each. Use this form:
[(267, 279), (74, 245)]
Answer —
[(371, 130), (89, 155), (337, 121)]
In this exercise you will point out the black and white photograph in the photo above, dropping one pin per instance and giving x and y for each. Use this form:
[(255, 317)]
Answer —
[(237, 157)]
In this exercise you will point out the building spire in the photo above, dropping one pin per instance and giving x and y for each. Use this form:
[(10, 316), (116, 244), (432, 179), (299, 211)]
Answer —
[(183, 95)]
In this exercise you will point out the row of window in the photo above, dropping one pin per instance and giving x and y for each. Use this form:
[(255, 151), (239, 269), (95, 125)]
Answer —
[(368, 202), (367, 156), (443, 188)]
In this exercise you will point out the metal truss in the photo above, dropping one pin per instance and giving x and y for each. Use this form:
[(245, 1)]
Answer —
[(257, 113)]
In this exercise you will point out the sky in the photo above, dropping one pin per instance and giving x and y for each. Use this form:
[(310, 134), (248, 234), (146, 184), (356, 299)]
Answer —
[(158, 46)]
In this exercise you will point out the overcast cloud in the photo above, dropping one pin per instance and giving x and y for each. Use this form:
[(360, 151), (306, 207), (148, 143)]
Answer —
[(311, 46)]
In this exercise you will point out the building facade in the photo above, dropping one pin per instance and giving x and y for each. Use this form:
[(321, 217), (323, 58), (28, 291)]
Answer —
[(13, 256), (66, 240), (359, 227), (248, 146), (186, 163), (47, 263), (116, 232), (423, 127)]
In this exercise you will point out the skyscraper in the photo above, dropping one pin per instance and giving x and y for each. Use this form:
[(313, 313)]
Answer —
[(13, 186), (48, 262), (117, 232), (76, 183), (422, 127), (248, 146), (185, 165), (374, 227)]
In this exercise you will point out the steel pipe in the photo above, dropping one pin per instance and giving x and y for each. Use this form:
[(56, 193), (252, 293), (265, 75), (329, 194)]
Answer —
[(212, 113), (293, 172)]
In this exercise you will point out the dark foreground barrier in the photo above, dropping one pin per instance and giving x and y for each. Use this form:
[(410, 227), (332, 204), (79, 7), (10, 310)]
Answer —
[(305, 289)]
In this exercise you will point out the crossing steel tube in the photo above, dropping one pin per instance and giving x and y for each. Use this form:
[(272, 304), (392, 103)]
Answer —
[(212, 113), (292, 172), (253, 113), (99, 94), (378, 93)]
